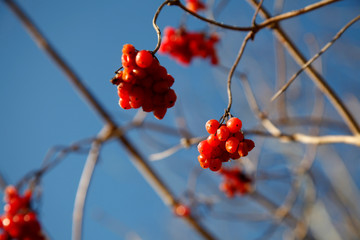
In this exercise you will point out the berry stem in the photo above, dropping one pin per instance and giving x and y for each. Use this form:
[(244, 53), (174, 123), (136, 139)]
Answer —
[(156, 27), (232, 70)]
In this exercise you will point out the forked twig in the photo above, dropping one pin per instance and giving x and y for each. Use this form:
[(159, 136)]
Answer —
[(311, 60)]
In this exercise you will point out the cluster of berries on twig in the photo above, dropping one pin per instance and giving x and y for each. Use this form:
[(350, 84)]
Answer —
[(225, 142), (143, 82), (195, 5), (235, 181), (184, 46), (19, 221)]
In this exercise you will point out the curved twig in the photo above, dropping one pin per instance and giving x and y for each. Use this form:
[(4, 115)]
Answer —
[(156, 27), (81, 194)]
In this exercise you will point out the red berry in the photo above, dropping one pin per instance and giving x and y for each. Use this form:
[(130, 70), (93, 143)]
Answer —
[(137, 95), (201, 158), (144, 59), (127, 61), (239, 136), (232, 144), (242, 149), (129, 49), (235, 155), (215, 164), (124, 103), (204, 148), (170, 98), (10, 192), (160, 87), (182, 210), (169, 79), (217, 152), (223, 133), (234, 124), (250, 144), (159, 112), (213, 140), (212, 125), (205, 164)]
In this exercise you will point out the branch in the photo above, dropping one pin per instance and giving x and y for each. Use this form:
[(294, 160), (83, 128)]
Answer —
[(295, 13), (266, 23), (312, 73), (157, 29), (310, 61), (232, 70), (84, 183)]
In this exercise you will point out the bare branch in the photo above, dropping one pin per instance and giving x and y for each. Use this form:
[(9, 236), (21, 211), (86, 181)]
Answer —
[(312, 73), (311, 60)]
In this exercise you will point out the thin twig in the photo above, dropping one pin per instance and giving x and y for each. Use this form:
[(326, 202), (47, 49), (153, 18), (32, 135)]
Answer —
[(253, 21), (156, 27), (84, 183), (232, 70), (269, 126), (312, 73), (295, 13), (267, 23), (311, 60)]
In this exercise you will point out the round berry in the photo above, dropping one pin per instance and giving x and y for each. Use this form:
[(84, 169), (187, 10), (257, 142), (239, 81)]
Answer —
[(215, 164), (234, 124), (232, 144), (201, 158), (223, 133), (182, 210), (250, 144), (159, 112), (144, 59), (243, 149), (129, 49), (204, 148), (239, 136), (213, 140), (205, 164), (212, 125), (170, 98)]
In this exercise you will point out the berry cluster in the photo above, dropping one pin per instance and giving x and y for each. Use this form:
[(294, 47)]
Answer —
[(19, 221), (143, 82), (184, 46), (235, 182), (225, 142), (195, 5)]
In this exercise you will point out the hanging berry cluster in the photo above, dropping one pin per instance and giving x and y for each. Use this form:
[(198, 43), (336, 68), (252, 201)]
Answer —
[(184, 46), (19, 221), (225, 142), (235, 182), (195, 5), (143, 82)]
